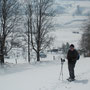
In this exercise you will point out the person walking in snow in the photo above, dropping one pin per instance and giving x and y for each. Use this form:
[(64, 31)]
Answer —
[(72, 57)]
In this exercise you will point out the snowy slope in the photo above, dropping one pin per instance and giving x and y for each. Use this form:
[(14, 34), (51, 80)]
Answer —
[(71, 6), (70, 20), (44, 76), (71, 14)]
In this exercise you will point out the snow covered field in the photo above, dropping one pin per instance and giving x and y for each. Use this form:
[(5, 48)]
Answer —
[(65, 35), (44, 76)]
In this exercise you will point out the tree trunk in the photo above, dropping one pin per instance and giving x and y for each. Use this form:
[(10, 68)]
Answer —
[(2, 59), (2, 55), (2, 50), (38, 56), (28, 43)]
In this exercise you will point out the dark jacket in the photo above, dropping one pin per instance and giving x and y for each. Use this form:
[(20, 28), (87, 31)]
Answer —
[(72, 55)]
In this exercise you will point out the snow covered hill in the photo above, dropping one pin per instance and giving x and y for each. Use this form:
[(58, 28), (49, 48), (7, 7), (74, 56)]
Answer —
[(71, 16), (74, 7)]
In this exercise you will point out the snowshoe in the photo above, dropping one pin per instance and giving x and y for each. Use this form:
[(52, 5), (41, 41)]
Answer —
[(70, 79)]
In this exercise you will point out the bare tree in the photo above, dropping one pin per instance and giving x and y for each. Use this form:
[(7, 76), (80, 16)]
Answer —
[(85, 41), (28, 27), (9, 18), (40, 14)]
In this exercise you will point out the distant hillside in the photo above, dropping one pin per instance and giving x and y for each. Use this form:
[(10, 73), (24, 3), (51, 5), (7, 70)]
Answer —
[(78, 8)]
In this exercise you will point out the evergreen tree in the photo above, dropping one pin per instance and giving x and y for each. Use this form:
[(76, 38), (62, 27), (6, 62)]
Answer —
[(85, 41)]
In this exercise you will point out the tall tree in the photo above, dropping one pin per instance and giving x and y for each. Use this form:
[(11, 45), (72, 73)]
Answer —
[(41, 14), (29, 26), (9, 10)]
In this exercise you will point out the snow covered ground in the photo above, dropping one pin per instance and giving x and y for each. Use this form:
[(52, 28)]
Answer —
[(64, 35), (44, 76)]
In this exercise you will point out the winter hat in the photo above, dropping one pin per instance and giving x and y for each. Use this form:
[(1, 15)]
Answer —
[(72, 46)]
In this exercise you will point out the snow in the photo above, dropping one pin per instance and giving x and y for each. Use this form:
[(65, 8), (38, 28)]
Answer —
[(44, 76)]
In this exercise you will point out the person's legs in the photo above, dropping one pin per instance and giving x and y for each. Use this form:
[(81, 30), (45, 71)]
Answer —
[(71, 67)]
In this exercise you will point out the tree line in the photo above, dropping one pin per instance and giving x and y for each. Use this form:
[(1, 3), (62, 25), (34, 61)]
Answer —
[(26, 26), (85, 39)]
